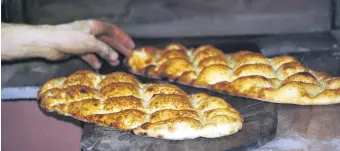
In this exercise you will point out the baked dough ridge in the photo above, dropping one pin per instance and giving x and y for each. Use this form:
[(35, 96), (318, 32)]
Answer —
[(119, 100), (281, 79)]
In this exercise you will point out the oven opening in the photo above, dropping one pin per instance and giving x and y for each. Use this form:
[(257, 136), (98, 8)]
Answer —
[(305, 30)]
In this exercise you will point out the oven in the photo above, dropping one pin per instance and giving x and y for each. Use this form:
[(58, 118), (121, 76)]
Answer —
[(304, 29)]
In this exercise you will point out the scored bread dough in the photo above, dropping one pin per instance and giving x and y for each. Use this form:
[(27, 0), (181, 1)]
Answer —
[(120, 101), (281, 79)]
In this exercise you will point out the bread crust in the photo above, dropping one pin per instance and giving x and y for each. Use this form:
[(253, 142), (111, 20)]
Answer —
[(120, 101), (281, 79)]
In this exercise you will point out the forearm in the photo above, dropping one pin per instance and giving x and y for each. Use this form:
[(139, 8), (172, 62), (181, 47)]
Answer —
[(55, 42), (21, 41)]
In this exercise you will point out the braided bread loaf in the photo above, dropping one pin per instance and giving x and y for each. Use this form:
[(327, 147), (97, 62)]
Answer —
[(120, 101), (281, 79)]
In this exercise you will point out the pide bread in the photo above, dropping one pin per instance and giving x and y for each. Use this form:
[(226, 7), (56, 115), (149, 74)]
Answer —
[(281, 79), (119, 100)]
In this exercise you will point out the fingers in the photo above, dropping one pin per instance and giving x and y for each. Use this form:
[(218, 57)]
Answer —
[(79, 43), (112, 31), (114, 36), (104, 51), (115, 63), (92, 60), (125, 51), (110, 36)]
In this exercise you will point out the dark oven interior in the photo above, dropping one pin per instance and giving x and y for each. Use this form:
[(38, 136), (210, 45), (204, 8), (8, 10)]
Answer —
[(176, 18), (271, 27)]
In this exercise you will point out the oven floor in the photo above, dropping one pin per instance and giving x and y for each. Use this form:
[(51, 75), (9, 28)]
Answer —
[(302, 127)]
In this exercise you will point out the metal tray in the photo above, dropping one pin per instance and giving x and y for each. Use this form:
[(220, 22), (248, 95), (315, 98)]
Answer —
[(260, 120)]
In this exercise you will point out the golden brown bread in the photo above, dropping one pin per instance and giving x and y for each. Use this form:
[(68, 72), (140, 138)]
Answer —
[(282, 79), (120, 101)]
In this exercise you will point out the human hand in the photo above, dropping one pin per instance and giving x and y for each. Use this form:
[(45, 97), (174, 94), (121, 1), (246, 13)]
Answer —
[(83, 38)]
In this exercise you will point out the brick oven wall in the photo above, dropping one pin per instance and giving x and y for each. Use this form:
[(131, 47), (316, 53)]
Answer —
[(171, 18)]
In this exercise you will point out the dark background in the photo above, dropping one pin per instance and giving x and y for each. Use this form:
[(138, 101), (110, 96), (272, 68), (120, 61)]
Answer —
[(178, 18)]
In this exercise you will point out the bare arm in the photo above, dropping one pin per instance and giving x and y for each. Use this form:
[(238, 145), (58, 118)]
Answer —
[(23, 41), (54, 42)]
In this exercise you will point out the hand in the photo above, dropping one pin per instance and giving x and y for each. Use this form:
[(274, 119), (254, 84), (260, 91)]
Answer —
[(81, 38)]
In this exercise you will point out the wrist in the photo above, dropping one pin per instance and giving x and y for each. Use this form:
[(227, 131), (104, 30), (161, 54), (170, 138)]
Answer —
[(23, 41)]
